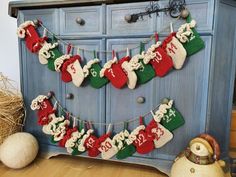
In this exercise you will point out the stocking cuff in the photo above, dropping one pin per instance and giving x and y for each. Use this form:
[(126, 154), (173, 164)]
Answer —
[(185, 31), (35, 104), (89, 65), (21, 28), (81, 146), (159, 114), (44, 53), (59, 62), (135, 132), (134, 62), (108, 65), (151, 53), (70, 61)]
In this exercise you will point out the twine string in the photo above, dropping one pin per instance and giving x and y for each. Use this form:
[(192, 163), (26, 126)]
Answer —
[(100, 123)]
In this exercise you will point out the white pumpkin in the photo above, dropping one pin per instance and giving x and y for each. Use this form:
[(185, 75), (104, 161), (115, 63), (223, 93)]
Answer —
[(19, 150)]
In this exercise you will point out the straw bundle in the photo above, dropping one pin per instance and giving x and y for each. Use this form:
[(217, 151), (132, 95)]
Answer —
[(12, 111)]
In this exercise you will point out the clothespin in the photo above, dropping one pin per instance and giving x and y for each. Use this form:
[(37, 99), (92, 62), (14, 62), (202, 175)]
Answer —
[(127, 52), (67, 115), (153, 115), (171, 27), (141, 120), (156, 37), (141, 47), (55, 106), (94, 54), (113, 54), (126, 124), (54, 39), (78, 51), (74, 122), (69, 46), (109, 129), (45, 32)]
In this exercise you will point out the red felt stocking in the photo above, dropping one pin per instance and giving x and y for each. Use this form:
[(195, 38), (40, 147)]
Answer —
[(69, 132), (44, 107), (159, 59), (143, 143), (160, 134), (33, 41), (114, 72)]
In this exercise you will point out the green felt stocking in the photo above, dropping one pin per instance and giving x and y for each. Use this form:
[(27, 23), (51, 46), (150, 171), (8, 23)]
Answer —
[(172, 119), (55, 53), (190, 38), (145, 72), (124, 143), (92, 70), (126, 151)]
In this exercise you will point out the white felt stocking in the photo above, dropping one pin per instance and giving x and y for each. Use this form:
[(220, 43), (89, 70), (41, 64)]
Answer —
[(76, 73)]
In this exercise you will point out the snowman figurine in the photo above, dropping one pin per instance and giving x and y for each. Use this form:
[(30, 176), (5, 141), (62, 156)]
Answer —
[(200, 159)]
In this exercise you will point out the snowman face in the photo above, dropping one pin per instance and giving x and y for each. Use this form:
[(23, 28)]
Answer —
[(199, 149)]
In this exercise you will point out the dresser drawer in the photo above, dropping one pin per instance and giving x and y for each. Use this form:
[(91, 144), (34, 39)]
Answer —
[(201, 10), (116, 23), (81, 21), (49, 17)]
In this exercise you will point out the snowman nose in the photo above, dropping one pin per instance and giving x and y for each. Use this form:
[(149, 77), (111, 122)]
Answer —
[(198, 147)]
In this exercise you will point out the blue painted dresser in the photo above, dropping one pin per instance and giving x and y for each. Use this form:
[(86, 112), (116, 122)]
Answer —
[(202, 90)]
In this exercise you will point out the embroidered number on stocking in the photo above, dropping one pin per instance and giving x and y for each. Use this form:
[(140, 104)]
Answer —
[(52, 54), (141, 139), (93, 72), (90, 142), (192, 36), (28, 33), (158, 132), (73, 69), (172, 48), (106, 146), (158, 57), (111, 71), (169, 117)]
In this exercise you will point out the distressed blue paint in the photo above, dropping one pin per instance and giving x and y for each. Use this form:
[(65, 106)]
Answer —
[(202, 90), (92, 17)]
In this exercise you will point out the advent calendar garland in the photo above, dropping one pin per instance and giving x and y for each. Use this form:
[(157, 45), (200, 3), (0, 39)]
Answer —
[(80, 137), (158, 60)]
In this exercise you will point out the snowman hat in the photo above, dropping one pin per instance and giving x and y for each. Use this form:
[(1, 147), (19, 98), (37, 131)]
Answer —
[(210, 143)]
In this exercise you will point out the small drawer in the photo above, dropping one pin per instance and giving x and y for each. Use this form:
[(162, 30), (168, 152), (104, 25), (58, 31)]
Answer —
[(81, 21), (49, 17), (201, 10), (116, 23)]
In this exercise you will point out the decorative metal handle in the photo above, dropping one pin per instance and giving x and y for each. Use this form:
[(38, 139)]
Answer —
[(140, 100), (69, 96), (80, 21)]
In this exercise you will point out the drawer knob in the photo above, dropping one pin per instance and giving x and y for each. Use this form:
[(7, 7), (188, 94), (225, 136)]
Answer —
[(80, 21), (131, 18), (69, 96), (140, 100)]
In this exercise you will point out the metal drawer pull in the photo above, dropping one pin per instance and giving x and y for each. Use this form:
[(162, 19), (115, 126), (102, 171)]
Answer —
[(140, 100), (69, 96), (80, 21)]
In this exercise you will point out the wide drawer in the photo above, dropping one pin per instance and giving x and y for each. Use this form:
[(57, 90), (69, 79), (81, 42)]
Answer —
[(201, 10), (81, 21), (116, 23)]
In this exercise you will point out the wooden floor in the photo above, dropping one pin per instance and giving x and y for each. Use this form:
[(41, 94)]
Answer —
[(66, 166)]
